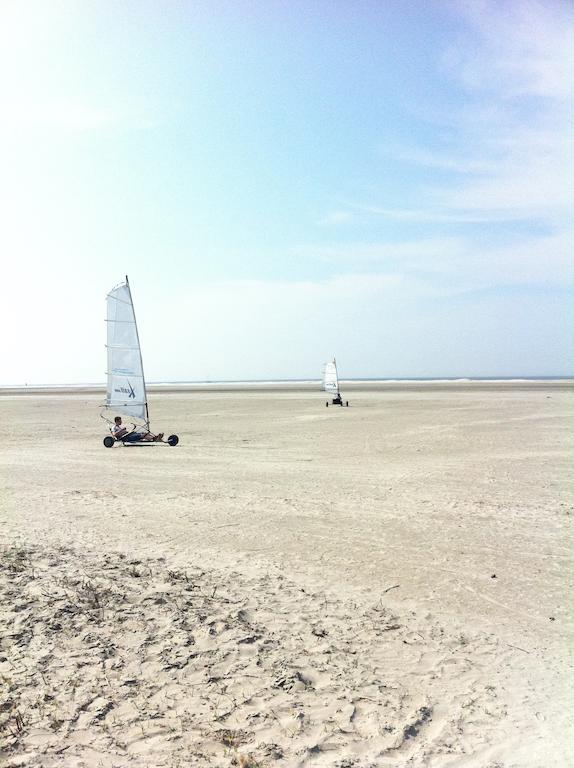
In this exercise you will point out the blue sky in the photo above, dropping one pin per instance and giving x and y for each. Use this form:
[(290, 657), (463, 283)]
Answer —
[(390, 182)]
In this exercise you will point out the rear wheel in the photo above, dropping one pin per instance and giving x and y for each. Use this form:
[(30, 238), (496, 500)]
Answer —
[(109, 441), (173, 440), (327, 404), (347, 403)]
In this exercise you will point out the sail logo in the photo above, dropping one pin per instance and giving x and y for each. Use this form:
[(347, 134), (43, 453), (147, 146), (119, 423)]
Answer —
[(129, 391)]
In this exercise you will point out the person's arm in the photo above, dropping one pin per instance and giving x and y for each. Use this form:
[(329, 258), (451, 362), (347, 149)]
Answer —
[(120, 433)]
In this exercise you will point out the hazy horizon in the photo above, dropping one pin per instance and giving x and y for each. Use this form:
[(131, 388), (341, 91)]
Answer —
[(309, 379)]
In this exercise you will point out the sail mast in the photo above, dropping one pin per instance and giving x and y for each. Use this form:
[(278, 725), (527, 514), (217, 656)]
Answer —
[(140, 353), (336, 375)]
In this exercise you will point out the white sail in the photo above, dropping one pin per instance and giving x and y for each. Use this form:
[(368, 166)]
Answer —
[(330, 378), (126, 393)]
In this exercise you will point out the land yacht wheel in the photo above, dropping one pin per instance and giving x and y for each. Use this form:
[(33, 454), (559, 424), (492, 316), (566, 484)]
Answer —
[(109, 441), (173, 440)]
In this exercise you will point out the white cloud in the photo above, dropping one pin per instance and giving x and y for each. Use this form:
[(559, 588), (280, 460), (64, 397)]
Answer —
[(520, 76), (447, 265), (447, 212), (376, 324), (388, 257), (524, 47), (535, 181), (510, 148), (336, 218), (401, 323), (509, 143), (459, 163)]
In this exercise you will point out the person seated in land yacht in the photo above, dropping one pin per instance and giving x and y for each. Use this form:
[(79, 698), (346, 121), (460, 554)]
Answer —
[(121, 433)]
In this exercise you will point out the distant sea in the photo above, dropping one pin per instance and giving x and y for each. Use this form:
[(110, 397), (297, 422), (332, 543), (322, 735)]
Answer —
[(267, 382)]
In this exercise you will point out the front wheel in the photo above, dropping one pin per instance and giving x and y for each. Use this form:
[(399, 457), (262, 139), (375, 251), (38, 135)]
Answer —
[(109, 441), (173, 440), (327, 404), (347, 403)]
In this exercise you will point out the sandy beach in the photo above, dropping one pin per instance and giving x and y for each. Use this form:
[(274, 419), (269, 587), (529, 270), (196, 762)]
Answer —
[(387, 584)]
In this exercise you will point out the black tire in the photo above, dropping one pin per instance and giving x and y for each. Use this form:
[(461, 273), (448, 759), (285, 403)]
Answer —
[(173, 440), (109, 441), (347, 403), (327, 404)]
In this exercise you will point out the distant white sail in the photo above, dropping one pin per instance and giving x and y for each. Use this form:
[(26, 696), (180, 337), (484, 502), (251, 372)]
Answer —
[(330, 378), (126, 393)]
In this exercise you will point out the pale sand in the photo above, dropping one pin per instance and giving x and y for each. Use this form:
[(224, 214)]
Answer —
[(292, 585)]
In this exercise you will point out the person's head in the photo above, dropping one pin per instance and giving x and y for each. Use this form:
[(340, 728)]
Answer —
[(118, 419)]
